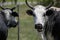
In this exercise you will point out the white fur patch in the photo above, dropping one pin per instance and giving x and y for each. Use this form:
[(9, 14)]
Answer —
[(7, 13), (42, 35), (39, 12)]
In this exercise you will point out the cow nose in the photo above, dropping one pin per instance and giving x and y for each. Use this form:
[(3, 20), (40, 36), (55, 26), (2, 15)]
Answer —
[(38, 27)]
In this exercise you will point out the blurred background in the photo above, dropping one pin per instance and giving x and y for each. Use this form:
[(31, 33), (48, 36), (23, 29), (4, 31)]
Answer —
[(27, 29)]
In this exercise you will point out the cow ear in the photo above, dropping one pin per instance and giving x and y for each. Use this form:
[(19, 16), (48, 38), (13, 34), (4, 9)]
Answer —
[(50, 12), (15, 14), (29, 12)]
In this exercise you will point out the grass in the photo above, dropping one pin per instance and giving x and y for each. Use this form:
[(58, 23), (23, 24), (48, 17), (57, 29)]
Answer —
[(27, 26)]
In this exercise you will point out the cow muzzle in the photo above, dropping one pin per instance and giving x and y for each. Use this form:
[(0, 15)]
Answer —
[(39, 27), (12, 24)]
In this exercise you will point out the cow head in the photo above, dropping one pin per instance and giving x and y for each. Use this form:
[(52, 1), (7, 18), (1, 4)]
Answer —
[(10, 16), (40, 14)]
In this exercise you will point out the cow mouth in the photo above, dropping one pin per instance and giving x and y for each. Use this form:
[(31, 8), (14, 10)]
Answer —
[(39, 30), (39, 27)]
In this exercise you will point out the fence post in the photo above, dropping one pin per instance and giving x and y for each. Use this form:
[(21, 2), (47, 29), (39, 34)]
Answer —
[(16, 3), (18, 23)]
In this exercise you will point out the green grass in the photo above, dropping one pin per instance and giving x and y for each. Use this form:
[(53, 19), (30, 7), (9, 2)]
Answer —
[(27, 27)]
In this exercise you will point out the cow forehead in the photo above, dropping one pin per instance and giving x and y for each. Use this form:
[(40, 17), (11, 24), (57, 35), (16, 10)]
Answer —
[(39, 12), (40, 6), (39, 9)]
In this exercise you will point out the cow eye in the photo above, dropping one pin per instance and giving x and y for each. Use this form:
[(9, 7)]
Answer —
[(30, 12)]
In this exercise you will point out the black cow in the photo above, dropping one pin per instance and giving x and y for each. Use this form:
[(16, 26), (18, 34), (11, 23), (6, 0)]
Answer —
[(47, 21), (7, 20)]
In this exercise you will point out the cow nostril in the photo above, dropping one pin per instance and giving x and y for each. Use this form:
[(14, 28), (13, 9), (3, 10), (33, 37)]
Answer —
[(38, 26)]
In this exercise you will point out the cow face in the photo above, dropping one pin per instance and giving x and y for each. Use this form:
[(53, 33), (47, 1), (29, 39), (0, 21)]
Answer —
[(39, 14), (10, 17)]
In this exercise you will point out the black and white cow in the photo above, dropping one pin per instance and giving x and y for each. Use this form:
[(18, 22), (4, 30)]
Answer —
[(7, 20), (47, 21)]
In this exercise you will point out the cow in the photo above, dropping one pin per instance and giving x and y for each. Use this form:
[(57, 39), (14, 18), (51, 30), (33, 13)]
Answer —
[(7, 20), (46, 19)]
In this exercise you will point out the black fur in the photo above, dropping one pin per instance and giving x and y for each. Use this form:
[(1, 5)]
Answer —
[(15, 14), (50, 12), (30, 12), (53, 25), (3, 28)]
